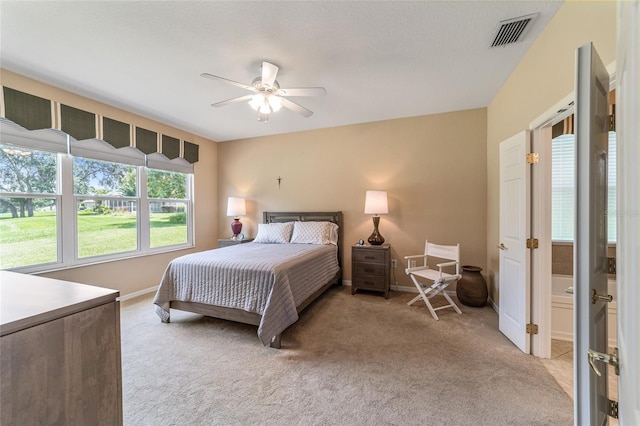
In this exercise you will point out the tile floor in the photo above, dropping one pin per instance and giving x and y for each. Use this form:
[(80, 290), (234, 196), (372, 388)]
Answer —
[(560, 365)]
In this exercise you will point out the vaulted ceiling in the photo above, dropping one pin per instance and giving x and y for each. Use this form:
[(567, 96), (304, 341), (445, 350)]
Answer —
[(377, 60)]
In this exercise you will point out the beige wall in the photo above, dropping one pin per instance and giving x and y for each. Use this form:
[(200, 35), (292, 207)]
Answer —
[(544, 76), (433, 167), (137, 273), (441, 171)]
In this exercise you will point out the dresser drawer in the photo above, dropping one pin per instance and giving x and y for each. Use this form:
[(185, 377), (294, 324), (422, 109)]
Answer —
[(370, 282), (373, 256), (369, 269)]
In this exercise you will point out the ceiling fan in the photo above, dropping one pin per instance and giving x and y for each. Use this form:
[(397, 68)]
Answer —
[(268, 96)]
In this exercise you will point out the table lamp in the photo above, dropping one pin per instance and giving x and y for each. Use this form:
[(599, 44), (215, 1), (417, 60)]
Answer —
[(236, 207), (376, 203)]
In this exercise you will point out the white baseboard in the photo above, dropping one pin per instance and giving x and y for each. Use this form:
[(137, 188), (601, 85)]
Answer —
[(404, 288), (494, 306), (561, 335), (138, 293)]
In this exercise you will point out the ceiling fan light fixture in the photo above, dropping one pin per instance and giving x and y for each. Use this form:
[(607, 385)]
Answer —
[(267, 96), (257, 101), (275, 102), (264, 108)]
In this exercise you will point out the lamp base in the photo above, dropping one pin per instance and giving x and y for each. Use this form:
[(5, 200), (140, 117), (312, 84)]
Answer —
[(376, 239), (236, 227)]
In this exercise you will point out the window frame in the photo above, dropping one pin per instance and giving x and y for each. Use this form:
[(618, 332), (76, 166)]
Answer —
[(67, 219)]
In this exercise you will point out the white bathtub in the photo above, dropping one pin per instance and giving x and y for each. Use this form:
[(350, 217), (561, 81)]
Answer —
[(562, 310)]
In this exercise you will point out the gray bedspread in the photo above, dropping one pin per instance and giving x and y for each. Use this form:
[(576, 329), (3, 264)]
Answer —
[(267, 279)]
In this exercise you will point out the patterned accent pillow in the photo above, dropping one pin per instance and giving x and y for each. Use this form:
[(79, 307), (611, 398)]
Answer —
[(314, 233), (274, 233)]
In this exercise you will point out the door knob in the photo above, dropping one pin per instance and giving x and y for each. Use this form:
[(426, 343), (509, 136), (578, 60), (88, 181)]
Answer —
[(501, 246)]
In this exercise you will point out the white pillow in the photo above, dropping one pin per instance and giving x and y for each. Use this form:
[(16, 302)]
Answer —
[(314, 233), (277, 233)]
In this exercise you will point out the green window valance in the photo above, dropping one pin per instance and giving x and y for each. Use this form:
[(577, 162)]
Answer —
[(190, 152), (170, 147), (77, 123), (116, 133), (29, 113), (146, 140)]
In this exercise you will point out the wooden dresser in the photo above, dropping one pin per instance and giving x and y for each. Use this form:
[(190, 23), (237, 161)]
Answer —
[(59, 352), (370, 266)]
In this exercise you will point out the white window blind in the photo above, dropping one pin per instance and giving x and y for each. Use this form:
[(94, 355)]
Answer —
[(563, 188), (611, 176)]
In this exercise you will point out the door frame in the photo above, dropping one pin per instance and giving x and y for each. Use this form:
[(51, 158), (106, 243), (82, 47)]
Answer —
[(541, 219)]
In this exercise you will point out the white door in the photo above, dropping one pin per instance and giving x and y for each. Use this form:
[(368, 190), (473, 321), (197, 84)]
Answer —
[(590, 250), (628, 195), (514, 229)]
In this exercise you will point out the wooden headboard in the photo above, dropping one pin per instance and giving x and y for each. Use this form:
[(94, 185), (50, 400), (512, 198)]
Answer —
[(335, 217)]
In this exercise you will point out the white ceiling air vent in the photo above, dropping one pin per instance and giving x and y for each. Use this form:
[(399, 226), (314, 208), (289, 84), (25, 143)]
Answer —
[(512, 30)]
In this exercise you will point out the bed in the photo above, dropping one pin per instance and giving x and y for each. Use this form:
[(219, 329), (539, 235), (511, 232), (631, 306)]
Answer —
[(267, 282)]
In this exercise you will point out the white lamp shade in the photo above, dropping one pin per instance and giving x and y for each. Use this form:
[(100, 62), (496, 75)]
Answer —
[(236, 207), (376, 202)]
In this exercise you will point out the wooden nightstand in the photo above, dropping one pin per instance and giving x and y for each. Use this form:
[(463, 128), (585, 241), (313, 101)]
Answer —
[(370, 267), (226, 242)]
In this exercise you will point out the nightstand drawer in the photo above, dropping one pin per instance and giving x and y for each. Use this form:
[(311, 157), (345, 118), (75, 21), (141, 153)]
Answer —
[(370, 282), (373, 256), (369, 269)]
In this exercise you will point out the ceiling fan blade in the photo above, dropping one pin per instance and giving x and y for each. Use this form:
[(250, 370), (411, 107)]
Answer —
[(233, 100), (226, 80), (295, 107), (269, 72), (303, 91)]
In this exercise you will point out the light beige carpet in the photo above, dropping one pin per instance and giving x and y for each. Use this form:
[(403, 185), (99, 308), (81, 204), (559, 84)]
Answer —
[(349, 360)]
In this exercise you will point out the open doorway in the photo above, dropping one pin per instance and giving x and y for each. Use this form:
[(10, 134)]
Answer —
[(553, 203), (553, 213)]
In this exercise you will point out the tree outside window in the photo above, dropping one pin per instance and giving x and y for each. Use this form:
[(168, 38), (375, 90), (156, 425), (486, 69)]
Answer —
[(105, 204)]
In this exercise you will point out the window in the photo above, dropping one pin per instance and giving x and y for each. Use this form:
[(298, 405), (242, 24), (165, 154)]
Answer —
[(106, 207), (28, 207), (99, 204), (168, 207), (563, 188)]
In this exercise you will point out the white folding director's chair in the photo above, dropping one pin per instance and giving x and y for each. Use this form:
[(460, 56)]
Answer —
[(440, 279)]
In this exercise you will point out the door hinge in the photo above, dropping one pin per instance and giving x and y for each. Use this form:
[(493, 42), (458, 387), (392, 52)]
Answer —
[(533, 158), (532, 243), (612, 410), (532, 328)]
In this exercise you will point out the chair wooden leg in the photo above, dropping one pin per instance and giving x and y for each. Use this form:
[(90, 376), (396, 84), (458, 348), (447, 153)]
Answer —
[(429, 293), (423, 295), (451, 302), (414, 300), (433, 312)]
